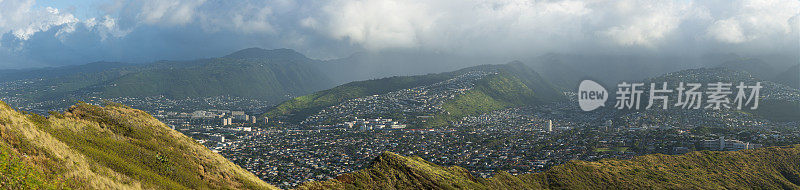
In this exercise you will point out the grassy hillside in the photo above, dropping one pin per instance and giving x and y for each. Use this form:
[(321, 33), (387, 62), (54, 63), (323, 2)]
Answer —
[(790, 77), (299, 108), (58, 84), (515, 85), (112, 147), (776, 102), (765, 168), (392, 171), (56, 72), (17, 174), (253, 78), (274, 75)]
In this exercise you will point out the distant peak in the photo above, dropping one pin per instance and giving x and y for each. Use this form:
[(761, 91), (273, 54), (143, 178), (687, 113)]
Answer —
[(392, 159), (388, 155), (258, 53), (515, 62)]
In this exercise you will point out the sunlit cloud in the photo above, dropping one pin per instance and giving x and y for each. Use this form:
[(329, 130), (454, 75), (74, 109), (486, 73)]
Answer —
[(512, 28)]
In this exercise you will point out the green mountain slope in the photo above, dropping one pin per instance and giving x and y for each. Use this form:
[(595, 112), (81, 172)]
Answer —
[(756, 67), (112, 147), (514, 85), (252, 73), (273, 75), (562, 75), (56, 83), (790, 77), (282, 55), (55, 72), (392, 171), (765, 168), (777, 101), (252, 78), (298, 108)]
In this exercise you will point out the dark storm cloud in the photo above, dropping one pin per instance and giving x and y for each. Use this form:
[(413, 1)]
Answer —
[(148, 30)]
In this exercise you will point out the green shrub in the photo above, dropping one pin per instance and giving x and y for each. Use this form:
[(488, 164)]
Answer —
[(38, 119), (16, 174)]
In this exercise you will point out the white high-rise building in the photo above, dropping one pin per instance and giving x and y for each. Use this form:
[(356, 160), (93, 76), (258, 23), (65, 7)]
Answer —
[(227, 121), (549, 125)]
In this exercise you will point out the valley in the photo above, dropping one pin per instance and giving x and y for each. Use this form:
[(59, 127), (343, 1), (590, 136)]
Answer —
[(485, 119)]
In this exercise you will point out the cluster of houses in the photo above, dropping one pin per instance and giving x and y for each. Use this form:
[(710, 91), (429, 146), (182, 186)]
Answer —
[(729, 144), (374, 124)]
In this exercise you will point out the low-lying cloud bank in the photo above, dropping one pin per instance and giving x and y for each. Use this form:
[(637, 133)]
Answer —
[(146, 30)]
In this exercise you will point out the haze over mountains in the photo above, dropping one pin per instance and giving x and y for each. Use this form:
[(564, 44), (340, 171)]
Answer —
[(568, 69), (273, 78), (790, 76), (307, 92), (492, 87), (480, 94), (777, 101), (272, 75), (282, 73)]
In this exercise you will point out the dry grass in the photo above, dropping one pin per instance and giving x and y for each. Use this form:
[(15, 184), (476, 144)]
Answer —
[(116, 147), (53, 156)]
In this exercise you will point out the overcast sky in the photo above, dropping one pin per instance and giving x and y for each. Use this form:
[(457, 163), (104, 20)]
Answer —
[(52, 33)]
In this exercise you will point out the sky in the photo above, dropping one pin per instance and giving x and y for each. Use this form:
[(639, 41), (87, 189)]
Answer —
[(56, 32)]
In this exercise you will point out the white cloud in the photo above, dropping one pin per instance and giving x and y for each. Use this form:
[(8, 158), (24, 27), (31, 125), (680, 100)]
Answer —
[(379, 23), (14, 14), (22, 21), (254, 21), (449, 24), (246, 17), (169, 12), (511, 28), (540, 26), (728, 31), (753, 20), (521, 24), (106, 27), (643, 23), (528, 25)]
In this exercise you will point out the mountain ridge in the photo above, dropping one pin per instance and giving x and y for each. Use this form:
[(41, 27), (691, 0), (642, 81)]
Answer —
[(790, 77), (281, 54), (776, 102), (111, 147), (514, 84), (777, 168), (270, 75), (251, 78), (21, 74)]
